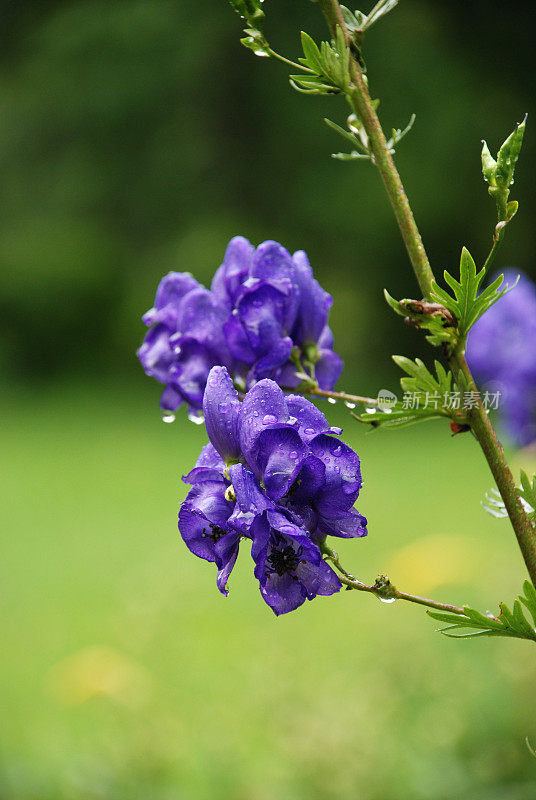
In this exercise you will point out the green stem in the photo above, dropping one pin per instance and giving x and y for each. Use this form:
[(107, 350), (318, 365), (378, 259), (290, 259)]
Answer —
[(384, 589), (289, 62), (480, 424), (343, 396)]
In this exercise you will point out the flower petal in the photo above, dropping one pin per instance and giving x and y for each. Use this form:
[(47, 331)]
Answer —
[(318, 579), (234, 270), (220, 408), (226, 553), (279, 458), (314, 303), (310, 419), (171, 289), (328, 369), (346, 524), (263, 406), (343, 475), (156, 354)]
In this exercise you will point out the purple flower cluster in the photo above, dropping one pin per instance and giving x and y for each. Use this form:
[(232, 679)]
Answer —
[(501, 351), (265, 316), (275, 473)]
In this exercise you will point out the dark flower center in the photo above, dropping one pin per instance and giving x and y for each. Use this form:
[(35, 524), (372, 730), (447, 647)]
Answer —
[(283, 560), (216, 533)]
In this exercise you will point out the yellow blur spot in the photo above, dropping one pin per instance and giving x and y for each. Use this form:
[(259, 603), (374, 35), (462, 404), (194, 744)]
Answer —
[(431, 562), (99, 671)]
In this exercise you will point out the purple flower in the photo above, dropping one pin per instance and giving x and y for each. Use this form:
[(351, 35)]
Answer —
[(501, 351), (279, 314), (276, 473), (265, 316), (186, 340)]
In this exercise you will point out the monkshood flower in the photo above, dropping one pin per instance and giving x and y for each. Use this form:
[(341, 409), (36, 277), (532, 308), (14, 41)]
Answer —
[(185, 340), (279, 314), (501, 351), (265, 316), (274, 472)]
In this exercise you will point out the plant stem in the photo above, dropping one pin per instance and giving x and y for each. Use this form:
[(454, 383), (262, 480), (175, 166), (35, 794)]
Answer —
[(344, 396), (479, 421), (384, 589)]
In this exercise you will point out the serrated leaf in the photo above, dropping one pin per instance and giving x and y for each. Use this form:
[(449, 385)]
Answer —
[(511, 624), (466, 303)]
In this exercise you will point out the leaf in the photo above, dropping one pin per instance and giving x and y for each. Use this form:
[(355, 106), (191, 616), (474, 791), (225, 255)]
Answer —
[(398, 135), (513, 624), (425, 397), (312, 54), (508, 155), (489, 164), (250, 10), (466, 304)]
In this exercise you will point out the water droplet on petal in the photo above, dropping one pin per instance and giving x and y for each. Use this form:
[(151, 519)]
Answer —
[(293, 454), (337, 451), (196, 417), (168, 416), (309, 431), (269, 419)]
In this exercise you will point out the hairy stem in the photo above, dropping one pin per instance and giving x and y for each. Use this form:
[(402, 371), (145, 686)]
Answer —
[(480, 424)]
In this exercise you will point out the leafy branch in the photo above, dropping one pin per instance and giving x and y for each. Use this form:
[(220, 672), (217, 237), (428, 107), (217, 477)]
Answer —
[(510, 623), (426, 397)]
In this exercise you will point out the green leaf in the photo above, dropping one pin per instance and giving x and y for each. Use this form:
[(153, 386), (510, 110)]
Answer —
[(513, 624), (398, 135), (312, 54), (425, 397), (508, 155), (489, 164), (466, 304), (250, 10)]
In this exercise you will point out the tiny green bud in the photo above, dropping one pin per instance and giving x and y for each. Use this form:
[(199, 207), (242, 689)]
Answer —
[(250, 10), (508, 155), (489, 165)]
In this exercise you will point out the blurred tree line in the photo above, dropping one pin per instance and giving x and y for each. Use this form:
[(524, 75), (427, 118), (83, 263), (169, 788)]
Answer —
[(138, 136)]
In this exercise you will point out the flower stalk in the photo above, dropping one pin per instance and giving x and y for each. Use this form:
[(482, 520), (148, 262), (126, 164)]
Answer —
[(478, 418), (383, 588)]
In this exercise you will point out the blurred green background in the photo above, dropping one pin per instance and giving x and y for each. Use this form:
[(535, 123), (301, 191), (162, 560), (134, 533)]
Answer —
[(138, 137)]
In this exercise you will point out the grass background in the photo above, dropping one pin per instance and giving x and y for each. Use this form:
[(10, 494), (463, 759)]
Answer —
[(126, 675)]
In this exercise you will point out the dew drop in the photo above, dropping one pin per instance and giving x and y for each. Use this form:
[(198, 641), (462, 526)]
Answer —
[(309, 431), (370, 410), (293, 454), (349, 404), (222, 407), (332, 400), (196, 417), (269, 419), (168, 416), (337, 451), (387, 599)]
